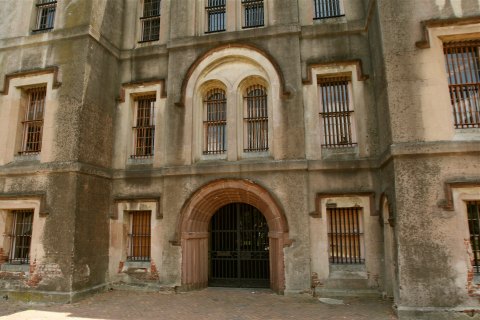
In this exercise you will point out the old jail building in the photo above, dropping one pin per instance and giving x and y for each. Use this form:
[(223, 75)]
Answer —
[(327, 146)]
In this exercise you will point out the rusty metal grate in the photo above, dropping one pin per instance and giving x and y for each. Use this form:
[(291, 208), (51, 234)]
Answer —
[(473, 209), (239, 247), (21, 236), (45, 15), (327, 9), (462, 61), (255, 119), (345, 235), (139, 236), (336, 112), (33, 121), (215, 15), (144, 131), (215, 123), (253, 13), (150, 20)]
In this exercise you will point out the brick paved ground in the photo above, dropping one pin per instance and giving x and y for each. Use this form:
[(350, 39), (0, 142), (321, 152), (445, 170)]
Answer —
[(211, 303)]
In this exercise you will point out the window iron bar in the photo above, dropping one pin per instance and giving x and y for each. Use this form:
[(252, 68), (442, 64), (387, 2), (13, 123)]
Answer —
[(345, 236), (253, 13), (140, 236), (45, 15), (144, 131), (215, 123), (33, 121), (327, 9), (216, 14), (473, 211), (21, 237), (255, 119)]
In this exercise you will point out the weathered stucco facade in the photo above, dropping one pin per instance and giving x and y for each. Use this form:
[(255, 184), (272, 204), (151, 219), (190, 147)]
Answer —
[(409, 171)]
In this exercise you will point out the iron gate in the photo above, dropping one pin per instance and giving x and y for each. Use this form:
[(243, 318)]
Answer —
[(239, 252)]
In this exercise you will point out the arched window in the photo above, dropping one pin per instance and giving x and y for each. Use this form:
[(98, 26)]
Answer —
[(215, 122), (255, 119)]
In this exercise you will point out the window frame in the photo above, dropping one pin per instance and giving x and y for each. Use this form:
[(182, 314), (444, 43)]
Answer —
[(248, 119), (151, 98), (333, 8), (42, 6), (342, 116), (249, 4), (463, 85), (13, 257), (215, 7), (209, 123), (150, 19), (475, 244), (28, 123), (145, 240), (354, 216)]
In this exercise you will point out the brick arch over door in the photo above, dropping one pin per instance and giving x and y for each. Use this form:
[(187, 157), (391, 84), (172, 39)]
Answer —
[(192, 229)]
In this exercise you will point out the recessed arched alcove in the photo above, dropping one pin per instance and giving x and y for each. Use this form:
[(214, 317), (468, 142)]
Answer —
[(192, 228)]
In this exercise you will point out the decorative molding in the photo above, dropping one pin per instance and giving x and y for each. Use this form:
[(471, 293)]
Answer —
[(135, 84), (30, 73), (284, 92), (356, 62), (44, 210), (436, 23), (447, 204), (136, 199), (320, 196)]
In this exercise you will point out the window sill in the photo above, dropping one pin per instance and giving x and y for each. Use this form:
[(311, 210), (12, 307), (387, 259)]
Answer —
[(140, 161), (348, 271), (27, 157), (340, 153), (136, 266), (9, 267), (467, 134)]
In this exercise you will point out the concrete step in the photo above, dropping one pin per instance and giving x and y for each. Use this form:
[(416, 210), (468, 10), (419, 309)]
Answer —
[(333, 283), (143, 286)]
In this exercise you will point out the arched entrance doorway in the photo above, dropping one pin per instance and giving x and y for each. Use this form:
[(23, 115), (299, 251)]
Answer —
[(193, 229), (239, 249)]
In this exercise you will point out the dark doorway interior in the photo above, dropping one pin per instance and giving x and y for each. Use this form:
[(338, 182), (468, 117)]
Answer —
[(239, 249)]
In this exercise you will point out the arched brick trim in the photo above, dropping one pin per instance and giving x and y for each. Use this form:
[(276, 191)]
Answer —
[(192, 228), (284, 92)]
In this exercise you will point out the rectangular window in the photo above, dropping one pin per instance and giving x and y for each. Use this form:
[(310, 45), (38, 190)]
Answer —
[(345, 235), (20, 236), (336, 112), (253, 13), (33, 121), (473, 209), (45, 15), (139, 236), (215, 123), (150, 20), (463, 67), (215, 15), (327, 9), (144, 129), (255, 119)]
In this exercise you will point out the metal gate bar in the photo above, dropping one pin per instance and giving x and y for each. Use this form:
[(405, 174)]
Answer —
[(239, 250)]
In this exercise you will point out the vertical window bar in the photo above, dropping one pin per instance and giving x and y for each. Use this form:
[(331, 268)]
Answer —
[(140, 236), (20, 236), (473, 210), (45, 15), (345, 236), (144, 129), (150, 20), (256, 119), (33, 121), (462, 62), (253, 12), (336, 113), (215, 124), (327, 9), (215, 15)]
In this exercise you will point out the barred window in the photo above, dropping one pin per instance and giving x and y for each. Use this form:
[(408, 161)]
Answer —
[(150, 20), (473, 209), (45, 15), (20, 236), (253, 13), (327, 9), (255, 119), (215, 123), (345, 235), (336, 112), (144, 129), (463, 66), (215, 15), (33, 121), (139, 236)]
